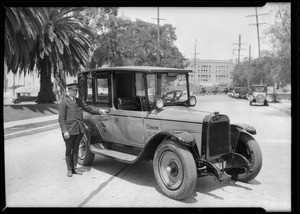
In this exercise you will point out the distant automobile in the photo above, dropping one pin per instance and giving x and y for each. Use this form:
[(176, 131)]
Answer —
[(243, 91), (258, 95), (24, 97)]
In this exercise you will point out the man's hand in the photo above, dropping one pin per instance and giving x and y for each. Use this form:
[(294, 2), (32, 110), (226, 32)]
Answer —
[(102, 111), (66, 135)]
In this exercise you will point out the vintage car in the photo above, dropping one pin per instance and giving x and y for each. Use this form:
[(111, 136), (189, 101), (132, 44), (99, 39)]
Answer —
[(24, 97), (258, 95), (243, 93), (149, 118)]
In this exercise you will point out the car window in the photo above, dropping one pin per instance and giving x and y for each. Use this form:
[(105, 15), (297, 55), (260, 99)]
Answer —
[(140, 85), (89, 90), (151, 83), (102, 89)]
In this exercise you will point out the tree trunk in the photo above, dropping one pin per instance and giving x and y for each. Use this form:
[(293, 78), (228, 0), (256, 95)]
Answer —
[(46, 94)]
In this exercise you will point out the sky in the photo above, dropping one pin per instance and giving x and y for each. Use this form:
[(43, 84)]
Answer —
[(215, 29)]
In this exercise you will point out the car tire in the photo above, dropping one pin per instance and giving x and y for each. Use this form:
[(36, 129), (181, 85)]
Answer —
[(17, 101), (175, 170), (85, 156), (249, 148), (266, 103)]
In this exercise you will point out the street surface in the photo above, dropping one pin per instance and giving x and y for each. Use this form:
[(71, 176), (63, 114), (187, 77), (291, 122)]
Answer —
[(35, 170)]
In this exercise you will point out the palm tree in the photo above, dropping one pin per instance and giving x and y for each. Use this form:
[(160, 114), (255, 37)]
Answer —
[(61, 46), (50, 38), (22, 25)]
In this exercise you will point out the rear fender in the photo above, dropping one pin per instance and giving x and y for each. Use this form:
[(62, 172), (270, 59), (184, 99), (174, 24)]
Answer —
[(182, 137), (92, 129)]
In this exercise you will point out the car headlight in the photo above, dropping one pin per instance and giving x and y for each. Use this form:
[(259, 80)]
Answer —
[(192, 101), (159, 103)]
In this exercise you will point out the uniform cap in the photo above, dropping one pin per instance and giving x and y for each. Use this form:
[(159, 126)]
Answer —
[(73, 86)]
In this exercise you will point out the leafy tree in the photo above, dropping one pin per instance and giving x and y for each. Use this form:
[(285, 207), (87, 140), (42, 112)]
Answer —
[(135, 43), (279, 34)]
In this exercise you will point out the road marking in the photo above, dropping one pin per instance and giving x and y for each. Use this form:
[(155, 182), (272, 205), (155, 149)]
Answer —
[(96, 191)]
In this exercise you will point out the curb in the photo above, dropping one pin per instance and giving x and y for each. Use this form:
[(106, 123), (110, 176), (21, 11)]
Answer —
[(30, 131)]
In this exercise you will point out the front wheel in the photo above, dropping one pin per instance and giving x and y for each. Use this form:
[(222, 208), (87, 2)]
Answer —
[(250, 149), (175, 170), (85, 156)]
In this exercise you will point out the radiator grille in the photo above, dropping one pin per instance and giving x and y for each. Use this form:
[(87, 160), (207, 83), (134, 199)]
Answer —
[(218, 141)]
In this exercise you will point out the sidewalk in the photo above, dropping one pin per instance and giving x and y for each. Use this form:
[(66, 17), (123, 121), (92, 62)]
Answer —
[(30, 126)]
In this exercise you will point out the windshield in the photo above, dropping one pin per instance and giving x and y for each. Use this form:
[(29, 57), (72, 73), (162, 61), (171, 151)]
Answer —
[(172, 88), (259, 88)]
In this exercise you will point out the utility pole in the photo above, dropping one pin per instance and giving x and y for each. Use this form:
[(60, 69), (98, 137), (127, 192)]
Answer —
[(158, 38), (195, 63), (239, 49), (257, 25), (249, 53)]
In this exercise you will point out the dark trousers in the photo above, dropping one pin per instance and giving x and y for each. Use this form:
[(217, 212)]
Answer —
[(72, 146)]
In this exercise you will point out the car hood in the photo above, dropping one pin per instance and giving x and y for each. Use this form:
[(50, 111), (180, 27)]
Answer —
[(180, 113)]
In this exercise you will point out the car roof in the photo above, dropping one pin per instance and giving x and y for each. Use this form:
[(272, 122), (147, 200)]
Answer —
[(144, 69)]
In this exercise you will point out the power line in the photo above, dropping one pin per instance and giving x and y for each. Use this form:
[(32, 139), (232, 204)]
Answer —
[(257, 25)]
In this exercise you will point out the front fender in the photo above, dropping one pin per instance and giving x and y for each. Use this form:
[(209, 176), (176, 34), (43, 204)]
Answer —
[(245, 127), (183, 137), (236, 130)]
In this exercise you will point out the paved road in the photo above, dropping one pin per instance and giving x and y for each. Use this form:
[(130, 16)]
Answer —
[(35, 171)]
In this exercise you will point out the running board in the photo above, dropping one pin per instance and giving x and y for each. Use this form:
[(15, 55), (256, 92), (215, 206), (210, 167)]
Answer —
[(120, 156)]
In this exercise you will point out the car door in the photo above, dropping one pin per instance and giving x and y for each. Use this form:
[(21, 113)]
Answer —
[(133, 127)]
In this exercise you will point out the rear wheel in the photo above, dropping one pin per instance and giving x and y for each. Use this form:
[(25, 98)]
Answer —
[(85, 156), (175, 170), (266, 103), (250, 149), (17, 101)]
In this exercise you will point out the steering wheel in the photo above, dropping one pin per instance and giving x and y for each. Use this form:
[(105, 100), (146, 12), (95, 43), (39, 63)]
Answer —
[(172, 95)]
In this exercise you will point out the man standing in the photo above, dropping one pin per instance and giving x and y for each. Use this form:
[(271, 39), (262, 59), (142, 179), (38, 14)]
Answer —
[(72, 126)]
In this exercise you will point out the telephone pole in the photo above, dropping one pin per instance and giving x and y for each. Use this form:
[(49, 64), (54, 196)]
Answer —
[(195, 63), (257, 26), (239, 49), (158, 38), (249, 53)]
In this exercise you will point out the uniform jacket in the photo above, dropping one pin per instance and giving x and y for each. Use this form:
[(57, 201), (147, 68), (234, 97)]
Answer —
[(71, 115)]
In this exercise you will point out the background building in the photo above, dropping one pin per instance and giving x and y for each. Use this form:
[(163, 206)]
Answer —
[(211, 72)]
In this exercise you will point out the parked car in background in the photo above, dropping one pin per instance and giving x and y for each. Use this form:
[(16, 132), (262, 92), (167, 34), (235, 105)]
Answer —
[(149, 118), (258, 95), (230, 92), (24, 97), (236, 92), (243, 92)]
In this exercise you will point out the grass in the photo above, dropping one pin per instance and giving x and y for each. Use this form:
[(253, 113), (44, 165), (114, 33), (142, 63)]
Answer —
[(22, 112)]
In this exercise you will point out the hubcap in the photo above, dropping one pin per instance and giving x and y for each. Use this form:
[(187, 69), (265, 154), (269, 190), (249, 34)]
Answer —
[(82, 148), (170, 170)]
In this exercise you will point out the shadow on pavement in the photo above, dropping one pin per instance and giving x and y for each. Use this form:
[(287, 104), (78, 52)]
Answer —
[(141, 173)]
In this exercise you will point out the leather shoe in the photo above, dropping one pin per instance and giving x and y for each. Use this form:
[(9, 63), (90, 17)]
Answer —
[(76, 171), (69, 173)]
